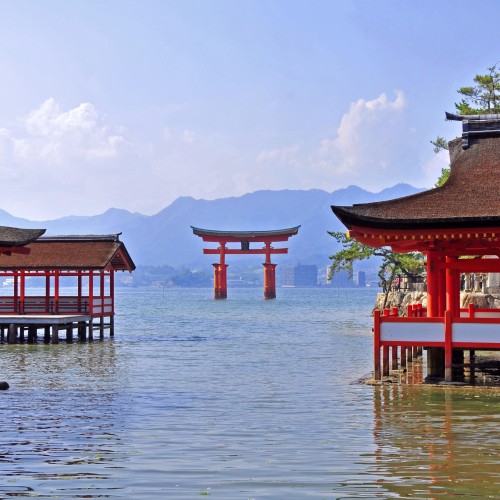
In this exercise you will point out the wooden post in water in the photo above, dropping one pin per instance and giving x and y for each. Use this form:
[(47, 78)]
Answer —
[(31, 334), (55, 334), (12, 336)]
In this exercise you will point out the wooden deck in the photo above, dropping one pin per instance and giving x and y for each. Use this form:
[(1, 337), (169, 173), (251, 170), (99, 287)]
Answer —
[(13, 328)]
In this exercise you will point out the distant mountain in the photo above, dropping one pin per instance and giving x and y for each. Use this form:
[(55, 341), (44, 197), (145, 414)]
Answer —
[(167, 239)]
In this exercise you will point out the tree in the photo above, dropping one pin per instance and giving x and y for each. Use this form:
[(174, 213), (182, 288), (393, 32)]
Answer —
[(483, 97), (392, 264)]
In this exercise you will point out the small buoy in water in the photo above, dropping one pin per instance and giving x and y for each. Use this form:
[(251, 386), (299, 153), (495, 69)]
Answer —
[(4, 386)]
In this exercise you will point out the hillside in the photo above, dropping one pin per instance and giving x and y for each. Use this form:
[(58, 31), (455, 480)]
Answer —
[(166, 237)]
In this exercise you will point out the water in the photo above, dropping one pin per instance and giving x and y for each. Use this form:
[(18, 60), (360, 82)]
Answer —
[(236, 399)]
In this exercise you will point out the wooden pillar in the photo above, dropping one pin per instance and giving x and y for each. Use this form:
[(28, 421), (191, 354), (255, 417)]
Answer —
[(69, 334), (22, 291), (376, 345), (12, 335), (91, 330), (79, 284), (21, 333), (47, 293), (112, 326), (91, 293), (269, 280), (452, 288), (220, 281), (46, 334), (31, 334), (55, 334), (394, 357), (432, 284), (16, 292), (2, 333), (448, 351), (82, 331), (56, 292), (112, 295), (385, 361)]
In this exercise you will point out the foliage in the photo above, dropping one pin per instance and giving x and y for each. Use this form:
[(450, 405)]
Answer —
[(483, 97), (393, 263), (445, 173), (439, 144)]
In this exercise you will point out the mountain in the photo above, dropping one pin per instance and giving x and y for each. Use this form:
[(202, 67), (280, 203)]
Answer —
[(166, 238)]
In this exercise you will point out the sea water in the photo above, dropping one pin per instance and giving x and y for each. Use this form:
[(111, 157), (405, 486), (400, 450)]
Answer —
[(236, 399)]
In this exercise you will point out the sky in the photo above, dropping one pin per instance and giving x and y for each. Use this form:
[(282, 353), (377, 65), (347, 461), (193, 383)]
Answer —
[(132, 104)]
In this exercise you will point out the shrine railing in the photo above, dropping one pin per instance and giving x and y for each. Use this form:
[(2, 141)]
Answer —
[(95, 306)]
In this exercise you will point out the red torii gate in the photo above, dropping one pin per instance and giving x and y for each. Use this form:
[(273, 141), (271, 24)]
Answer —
[(244, 238)]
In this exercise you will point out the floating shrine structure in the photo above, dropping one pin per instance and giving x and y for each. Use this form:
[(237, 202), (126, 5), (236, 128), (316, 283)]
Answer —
[(47, 264), (457, 228), (245, 239)]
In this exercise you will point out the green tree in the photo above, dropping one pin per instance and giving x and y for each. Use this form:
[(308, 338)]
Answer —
[(483, 97), (392, 264)]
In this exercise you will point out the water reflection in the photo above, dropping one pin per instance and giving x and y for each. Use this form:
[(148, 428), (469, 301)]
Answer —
[(433, 442)]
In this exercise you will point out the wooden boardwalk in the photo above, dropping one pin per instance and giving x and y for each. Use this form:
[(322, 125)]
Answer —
[(21, 328)]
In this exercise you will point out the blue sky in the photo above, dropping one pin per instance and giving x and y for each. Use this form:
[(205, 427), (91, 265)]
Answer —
[(131, 104)]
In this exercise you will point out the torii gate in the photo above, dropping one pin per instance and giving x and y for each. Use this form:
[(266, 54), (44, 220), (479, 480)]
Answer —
[(244, 238)]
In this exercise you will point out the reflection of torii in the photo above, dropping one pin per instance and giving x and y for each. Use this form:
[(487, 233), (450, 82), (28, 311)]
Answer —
[(244, 238)]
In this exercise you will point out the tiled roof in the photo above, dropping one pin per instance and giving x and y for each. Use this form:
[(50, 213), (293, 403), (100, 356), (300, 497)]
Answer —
[(470, 197), (72, 252), (15, 237)]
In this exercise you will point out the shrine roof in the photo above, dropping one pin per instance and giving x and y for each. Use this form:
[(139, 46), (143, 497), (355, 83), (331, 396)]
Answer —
[(245, 235), (470, 198), (72, 252), (16, 237)]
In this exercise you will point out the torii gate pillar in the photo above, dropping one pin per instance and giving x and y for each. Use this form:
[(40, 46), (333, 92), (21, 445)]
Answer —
[(269, 280)]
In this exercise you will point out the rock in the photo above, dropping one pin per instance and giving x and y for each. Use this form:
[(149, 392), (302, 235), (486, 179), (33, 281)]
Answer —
[(4, 386)]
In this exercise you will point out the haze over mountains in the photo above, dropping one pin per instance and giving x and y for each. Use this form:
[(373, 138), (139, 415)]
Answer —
[(166, 238)]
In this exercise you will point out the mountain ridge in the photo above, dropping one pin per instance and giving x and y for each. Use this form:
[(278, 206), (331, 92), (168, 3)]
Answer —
[(166, 238)]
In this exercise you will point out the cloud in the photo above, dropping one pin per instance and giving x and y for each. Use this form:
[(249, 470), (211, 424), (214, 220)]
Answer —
[(369, 137), (55, 137), (374, 147)]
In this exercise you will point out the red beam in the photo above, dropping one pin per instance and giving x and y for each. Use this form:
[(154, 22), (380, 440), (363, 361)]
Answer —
[(236, 251)]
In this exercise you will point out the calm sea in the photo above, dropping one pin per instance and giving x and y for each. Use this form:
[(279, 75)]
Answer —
[(237, 399)]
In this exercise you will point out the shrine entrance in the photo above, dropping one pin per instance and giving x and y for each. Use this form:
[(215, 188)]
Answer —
[(245, 239)]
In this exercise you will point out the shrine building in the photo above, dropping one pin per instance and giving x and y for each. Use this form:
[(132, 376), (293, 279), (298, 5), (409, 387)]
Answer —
[(37, 272), (244, 239), (457, 228)]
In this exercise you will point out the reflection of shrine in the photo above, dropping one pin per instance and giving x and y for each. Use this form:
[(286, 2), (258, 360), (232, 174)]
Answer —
[(436, 442), (245, 239), (456, 226)]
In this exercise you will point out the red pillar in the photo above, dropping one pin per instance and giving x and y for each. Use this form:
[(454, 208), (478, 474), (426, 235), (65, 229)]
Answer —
[(56, 291), (269, 280), (23, 292), (220, 274), (452, 288), (376, 345), (432, 284)]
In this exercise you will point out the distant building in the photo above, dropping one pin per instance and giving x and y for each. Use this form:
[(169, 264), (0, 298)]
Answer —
[(300, 276), (341, 279), (360, 279)]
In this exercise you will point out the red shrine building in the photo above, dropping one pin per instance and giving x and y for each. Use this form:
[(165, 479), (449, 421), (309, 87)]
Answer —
[(244, 239), (457, 228), (85, 265)]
